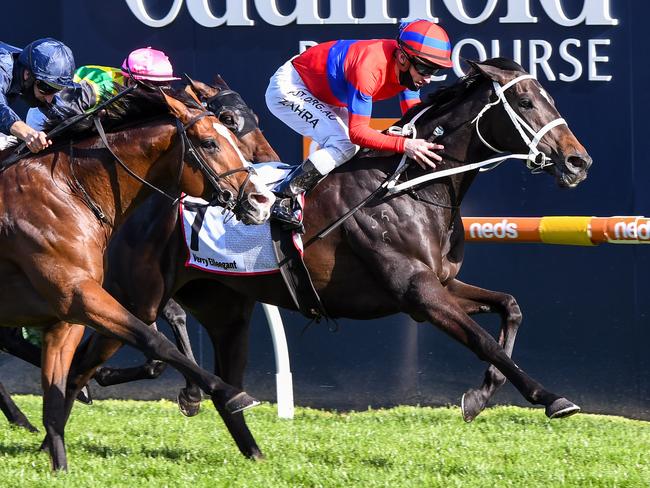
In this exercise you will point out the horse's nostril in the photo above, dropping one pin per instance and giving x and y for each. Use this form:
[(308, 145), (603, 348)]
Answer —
[(578, 163), (260, 198)]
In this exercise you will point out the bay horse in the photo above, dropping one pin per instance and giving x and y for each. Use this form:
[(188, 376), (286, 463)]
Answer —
[(236, 115), (400, 253), (60, 208)]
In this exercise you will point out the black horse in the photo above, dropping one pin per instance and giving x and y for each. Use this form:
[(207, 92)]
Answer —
[(407, 261)]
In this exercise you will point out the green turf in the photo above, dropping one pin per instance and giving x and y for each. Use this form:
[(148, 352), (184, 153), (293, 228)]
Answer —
[(137, 444)]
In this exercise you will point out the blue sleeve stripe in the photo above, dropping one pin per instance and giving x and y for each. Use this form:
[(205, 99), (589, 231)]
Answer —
[(335, 72), (426, 41), (360, 103), (410, 95)]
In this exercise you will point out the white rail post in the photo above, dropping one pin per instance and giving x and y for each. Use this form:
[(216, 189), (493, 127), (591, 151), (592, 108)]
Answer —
[(283, 380)]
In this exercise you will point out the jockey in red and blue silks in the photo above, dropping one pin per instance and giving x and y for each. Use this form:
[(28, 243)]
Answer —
[(327, 93)]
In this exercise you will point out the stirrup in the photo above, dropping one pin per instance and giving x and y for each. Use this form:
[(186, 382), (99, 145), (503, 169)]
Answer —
[(283, 212)]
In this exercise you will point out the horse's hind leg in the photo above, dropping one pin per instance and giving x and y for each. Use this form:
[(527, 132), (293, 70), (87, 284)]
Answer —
[(227, 321), (59, 344), (475, 300), (150, 370), (12, 342), (14, 415), (189, 398), (425, 298)]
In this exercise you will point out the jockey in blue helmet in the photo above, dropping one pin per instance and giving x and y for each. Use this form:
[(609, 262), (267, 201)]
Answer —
[(35, 74)]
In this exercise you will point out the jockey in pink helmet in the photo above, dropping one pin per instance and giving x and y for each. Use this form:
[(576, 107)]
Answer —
[(327, 93), (148, 64), (98, 83)]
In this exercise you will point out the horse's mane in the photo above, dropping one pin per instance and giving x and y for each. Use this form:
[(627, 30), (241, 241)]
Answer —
[(447, 96), (141, 104)]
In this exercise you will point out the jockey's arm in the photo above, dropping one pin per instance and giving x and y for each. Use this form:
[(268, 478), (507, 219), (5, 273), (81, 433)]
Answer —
[(7, 116)]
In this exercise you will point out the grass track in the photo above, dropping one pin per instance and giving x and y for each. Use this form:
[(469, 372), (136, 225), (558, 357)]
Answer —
[(149, 444)]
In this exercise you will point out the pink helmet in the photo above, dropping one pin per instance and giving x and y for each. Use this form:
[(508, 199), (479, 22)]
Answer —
[(148, 64)]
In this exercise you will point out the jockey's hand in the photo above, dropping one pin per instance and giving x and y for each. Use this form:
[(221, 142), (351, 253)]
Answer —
[(423, 152), (37, 141)]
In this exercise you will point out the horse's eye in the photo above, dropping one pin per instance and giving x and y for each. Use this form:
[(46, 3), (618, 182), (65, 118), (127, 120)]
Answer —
[(228, 119), (526, 103), (209, 145)]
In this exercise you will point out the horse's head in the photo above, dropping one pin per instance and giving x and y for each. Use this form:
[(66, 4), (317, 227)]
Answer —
[(234, 113), (216, 169), (522, 117)]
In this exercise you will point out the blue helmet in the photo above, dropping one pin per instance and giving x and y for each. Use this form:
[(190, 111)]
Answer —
[(49, 60)]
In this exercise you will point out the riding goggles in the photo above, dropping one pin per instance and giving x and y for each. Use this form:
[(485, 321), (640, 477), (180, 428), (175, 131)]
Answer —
[(425, 69), (46, 88)]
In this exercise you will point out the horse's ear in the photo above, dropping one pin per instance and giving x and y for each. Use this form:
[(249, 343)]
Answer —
[(201, 90), (176, 107), (492, 72), (220, 83)]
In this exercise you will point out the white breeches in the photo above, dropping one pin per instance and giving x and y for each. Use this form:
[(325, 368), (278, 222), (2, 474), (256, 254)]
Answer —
[(290, 100)]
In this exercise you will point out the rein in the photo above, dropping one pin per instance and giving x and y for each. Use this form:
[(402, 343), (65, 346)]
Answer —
[(536, 161), (223, 197)]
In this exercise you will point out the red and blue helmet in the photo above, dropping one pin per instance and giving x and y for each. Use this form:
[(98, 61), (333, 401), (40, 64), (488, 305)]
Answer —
[(427, 41)]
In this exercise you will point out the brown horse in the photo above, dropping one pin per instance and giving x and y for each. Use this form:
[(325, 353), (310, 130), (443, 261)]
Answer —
[(232, 112), (406, 261), (60, 209)]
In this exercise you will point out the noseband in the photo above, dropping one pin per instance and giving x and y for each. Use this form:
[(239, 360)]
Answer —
[(223, 197)]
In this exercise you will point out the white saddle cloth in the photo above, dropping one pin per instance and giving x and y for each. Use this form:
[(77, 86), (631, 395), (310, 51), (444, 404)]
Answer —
[(227, 246)]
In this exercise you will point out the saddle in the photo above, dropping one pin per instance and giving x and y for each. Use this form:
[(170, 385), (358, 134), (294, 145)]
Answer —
[(220, 244)]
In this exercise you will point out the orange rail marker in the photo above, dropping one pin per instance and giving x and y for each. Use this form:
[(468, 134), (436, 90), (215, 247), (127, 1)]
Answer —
[(575, 231)]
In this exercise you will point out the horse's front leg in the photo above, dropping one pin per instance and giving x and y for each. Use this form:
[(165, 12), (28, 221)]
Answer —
[(425, 298), (92, 305), (475, 300), (59, 344)]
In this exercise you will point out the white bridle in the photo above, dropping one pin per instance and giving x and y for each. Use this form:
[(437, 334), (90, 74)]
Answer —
[(536, 160)]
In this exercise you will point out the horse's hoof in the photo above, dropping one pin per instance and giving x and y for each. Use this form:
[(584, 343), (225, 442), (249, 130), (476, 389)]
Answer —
[(26, 424), (471, 405), (84, 396), (561, 408), (188, 407), (240, 402), (102, 376), (257, 457)]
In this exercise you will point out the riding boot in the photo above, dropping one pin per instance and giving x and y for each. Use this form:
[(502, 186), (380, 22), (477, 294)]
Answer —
[(304, 179)]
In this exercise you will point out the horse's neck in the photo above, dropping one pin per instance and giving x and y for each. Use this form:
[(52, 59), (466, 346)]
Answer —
[(462, 147), (145, 151)]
